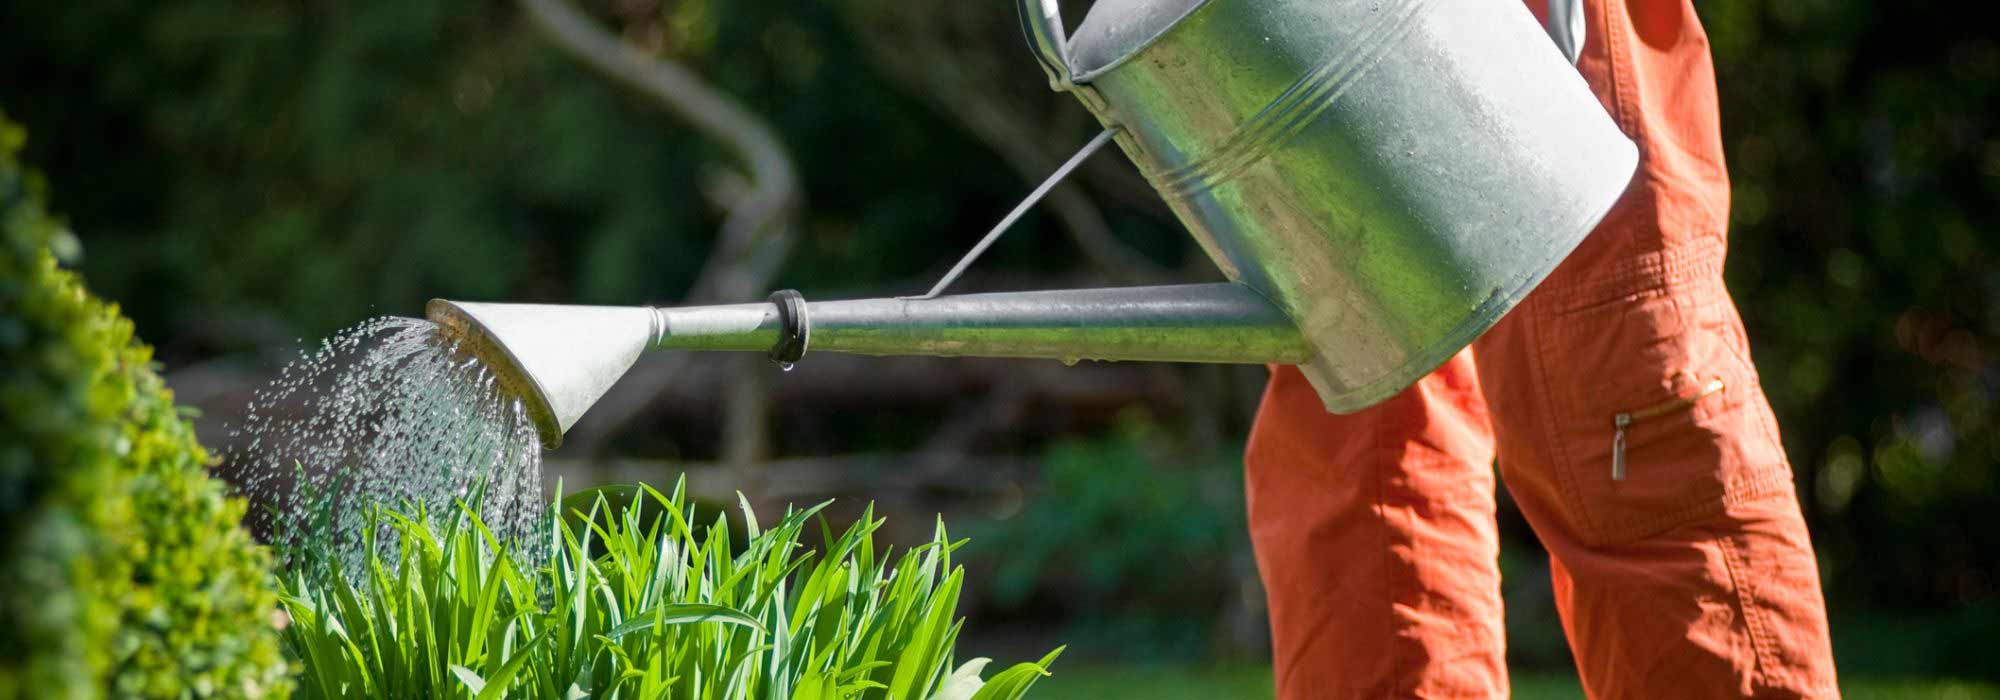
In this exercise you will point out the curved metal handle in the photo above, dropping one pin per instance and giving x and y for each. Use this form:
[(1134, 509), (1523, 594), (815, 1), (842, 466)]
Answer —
[(1565, 25), (1042, 20)]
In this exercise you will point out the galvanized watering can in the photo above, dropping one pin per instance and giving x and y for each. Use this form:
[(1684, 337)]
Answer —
[(1381, 180)]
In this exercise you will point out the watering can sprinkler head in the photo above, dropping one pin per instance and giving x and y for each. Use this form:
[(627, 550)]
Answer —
[(557, 359)]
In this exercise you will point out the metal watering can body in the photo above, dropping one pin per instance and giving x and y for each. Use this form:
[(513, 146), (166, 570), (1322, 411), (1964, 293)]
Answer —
[(1381, 180), (1395, 175)]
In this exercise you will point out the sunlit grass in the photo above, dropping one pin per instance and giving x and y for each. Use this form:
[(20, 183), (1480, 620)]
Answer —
[(638, 601), (1099, 682)]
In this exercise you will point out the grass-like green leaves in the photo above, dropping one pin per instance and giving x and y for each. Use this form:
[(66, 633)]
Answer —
[(638, 601)]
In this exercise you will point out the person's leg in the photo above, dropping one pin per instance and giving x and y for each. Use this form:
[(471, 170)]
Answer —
[(1632, 429), (1375, 537), (1690, 575), (1724, 607)]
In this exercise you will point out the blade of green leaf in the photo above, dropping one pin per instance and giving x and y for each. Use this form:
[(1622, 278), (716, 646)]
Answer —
[(1014, 682), (683, 614)]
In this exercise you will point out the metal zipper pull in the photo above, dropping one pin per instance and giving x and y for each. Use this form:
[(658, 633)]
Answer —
[(1625, 420), (1618, 446)]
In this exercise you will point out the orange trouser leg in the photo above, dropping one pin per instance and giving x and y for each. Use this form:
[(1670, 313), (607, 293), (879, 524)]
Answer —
[(1375, 537), (1690, 575), (1724, 608)]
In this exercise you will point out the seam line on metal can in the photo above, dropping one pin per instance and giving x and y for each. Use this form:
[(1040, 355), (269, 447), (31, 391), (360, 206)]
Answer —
[(1298, 106)]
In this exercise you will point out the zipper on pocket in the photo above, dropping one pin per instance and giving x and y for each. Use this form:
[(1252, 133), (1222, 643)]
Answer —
[(1625, 420)]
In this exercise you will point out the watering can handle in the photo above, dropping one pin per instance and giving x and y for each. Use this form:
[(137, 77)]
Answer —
[(979, 248), (1042, 20), (1565, 25)]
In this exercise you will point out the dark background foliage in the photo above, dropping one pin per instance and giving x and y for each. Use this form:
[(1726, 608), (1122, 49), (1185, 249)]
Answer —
[(248, 174)]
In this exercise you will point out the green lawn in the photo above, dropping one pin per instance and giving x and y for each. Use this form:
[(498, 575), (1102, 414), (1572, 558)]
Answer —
[(1169, 683)]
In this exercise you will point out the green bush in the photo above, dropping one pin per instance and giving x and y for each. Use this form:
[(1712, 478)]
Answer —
[(123, 570), (638, 601), (1152, 512)]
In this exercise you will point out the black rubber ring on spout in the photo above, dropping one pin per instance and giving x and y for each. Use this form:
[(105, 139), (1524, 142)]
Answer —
[(794, 329)]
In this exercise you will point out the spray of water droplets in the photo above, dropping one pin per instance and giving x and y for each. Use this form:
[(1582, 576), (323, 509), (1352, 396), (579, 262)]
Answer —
[(389, 412)]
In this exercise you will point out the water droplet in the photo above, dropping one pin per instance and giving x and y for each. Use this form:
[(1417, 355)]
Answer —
[(1071, 361), (384, 413), (785, 366)]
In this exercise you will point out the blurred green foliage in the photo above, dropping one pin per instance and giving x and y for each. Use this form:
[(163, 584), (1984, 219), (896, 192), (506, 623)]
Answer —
[(253, 170), (1866, 164), (1140, 548), (123, 571), (249, 171)]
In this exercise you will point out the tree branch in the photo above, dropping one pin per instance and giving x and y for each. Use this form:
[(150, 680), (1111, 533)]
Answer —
[(756, 232), (916, 52)]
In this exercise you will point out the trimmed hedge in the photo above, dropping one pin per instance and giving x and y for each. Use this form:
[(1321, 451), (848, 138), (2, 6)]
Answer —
[(124, 571)]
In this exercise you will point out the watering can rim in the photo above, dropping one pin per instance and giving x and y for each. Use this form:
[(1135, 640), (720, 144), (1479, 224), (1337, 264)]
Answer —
[(475, 338), (1149, 34), (1042, 23)]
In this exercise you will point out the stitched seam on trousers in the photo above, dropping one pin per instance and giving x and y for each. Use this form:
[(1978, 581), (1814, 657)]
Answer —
[(1738, 343), (1661, 270), (1622, 92), (1762, 484), (1678, 265), (1767, 674), (1757, 487), (1739, 492), (1564, 479), (1633, 529), (1767, 421)]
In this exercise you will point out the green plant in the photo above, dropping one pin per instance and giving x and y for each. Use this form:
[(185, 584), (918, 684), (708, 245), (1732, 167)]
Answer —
[(638, 601), (1147, 509), (123, 571)]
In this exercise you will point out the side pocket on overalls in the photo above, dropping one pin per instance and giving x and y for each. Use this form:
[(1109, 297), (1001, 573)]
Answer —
[(1624, 421), (1659, 410)]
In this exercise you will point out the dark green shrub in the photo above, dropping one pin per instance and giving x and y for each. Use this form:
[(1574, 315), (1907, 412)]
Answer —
[(1167, 573), (123, 570)]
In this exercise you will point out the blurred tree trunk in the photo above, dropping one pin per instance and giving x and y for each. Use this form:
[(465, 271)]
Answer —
[(757, 231)]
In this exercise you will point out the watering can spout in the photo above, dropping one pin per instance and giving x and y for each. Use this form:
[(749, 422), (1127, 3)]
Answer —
[(561, 359)]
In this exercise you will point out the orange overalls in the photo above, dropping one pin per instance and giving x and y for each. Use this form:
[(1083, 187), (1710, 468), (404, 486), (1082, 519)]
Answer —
[(1689, 575)]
